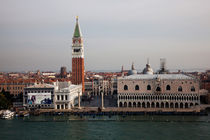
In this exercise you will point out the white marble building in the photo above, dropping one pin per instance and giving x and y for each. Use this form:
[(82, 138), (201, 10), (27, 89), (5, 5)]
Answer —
[(60, 95), (39, 96), (66, 95)]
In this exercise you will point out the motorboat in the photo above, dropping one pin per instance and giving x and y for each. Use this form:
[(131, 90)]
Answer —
[(26, 115), (7, 114), (23, 114)]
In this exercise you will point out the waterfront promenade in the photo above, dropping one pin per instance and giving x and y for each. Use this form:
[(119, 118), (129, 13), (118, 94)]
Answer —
[(118, 110)]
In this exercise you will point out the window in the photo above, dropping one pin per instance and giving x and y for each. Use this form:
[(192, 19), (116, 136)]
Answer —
[(58, 97), (66, 97), (158, 89), (76, 50), (137, 87), (192, 88), (148, 87), (168, 87), (180, 89), (62, 97), (125, 87)]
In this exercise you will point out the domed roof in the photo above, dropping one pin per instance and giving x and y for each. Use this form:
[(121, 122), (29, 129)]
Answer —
[(132, 71), (148, 69)]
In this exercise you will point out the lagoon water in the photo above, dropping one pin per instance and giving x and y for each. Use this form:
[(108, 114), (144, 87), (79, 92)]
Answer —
[(104, 127)]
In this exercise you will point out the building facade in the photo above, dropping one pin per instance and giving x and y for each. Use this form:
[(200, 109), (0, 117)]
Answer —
[(15, 86), (113, 86), (66, 96), (88, 88), (101, 85), (59, 95), (77, 57), (39, 96), (158, 91)]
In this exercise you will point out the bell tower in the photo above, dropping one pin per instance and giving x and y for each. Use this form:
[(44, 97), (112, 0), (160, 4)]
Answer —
[(77, 57)]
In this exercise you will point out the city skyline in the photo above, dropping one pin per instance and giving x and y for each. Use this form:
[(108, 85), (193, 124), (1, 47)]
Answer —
[(37, 35)]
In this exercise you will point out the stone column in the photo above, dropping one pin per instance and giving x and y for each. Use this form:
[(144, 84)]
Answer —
[(102, 100), (69, 106), (79, 100)]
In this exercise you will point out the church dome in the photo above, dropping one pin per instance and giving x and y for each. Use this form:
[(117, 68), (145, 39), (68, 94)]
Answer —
[(132, 71), (148, 69)]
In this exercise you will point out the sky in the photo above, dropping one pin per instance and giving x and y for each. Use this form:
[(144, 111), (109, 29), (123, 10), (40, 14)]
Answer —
[(37, 34)]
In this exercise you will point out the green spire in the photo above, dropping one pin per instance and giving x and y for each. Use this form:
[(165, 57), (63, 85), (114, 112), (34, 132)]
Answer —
[(77, 32)]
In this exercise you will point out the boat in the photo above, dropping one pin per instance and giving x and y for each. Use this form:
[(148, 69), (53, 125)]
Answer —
[(7, 114), (23, 114), (26, 115)]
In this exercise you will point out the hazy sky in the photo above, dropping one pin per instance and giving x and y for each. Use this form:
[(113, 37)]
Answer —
[(37, 34)]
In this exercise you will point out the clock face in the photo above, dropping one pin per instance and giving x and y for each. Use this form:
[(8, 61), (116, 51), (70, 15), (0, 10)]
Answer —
[(77, 41)]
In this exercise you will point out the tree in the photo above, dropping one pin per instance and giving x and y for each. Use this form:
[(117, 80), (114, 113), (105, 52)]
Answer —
[(4, 104), (5, 100), (7, 95)]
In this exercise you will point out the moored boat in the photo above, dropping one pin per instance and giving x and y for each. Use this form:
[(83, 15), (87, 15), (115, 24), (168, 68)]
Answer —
[(7, 114)]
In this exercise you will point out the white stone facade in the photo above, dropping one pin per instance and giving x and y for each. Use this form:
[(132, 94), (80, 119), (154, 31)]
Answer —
[(88, 87), (61, 95), (101, 85), (158, 91), (113, 85), (67, 96), (39, 96)]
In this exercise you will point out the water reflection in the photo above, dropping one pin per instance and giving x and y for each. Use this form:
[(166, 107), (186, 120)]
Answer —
[(152, 118)]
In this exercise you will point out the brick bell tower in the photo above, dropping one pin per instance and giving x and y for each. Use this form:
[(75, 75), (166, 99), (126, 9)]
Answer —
[(77, 57)]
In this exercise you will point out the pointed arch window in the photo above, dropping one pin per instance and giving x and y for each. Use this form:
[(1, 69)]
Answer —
[(148, 87), (158, 89), (168, 87), (193, 89), (125, 87), (137, 87), (180, 89)]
